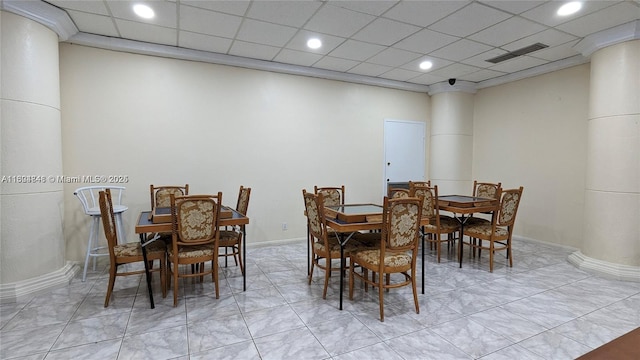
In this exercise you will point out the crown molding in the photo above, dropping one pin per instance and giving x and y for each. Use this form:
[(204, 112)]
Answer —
[(48, 15), (615, 35), (167, 51), (459, 86)]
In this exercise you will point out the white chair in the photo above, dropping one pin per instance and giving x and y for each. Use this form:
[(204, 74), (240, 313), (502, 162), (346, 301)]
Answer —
[(90, 199)]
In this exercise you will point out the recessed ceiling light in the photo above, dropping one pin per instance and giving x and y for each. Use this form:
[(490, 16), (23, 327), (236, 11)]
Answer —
[(569, 8), (143, 11), (314, 43), (426, 65)]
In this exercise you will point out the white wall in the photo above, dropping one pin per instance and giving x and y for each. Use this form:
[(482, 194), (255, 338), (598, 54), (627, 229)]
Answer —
[(533, 133), (164, 121)]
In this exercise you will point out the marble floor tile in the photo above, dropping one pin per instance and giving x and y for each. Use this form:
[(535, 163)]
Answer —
[(551, 345), (297, 343), (542, 308), (471, 337)]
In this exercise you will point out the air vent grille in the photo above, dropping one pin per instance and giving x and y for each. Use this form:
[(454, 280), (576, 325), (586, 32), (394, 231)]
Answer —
[(519, 52)]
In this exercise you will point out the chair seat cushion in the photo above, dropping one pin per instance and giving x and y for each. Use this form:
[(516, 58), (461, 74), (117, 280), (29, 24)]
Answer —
[(368, 240), (334, 247), (447, 225), (483, 231), (135, 249), (477, 221), (195, 251), (229, 238), (371, 259)]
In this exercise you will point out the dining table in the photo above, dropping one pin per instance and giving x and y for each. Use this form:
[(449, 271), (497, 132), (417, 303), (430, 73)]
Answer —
[(463, 206), (162, 224), (346, 220)]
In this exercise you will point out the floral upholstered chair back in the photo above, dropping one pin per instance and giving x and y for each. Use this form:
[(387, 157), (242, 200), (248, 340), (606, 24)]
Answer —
[(398, 193), (429, 196), (161, 195), (332, 196), (108, 220), (509, 206), (487, 190), (195, 218), (243, 200), (401, 219), (315, 214)]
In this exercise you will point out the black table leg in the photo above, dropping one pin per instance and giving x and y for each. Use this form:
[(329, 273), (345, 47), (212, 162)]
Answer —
[(146, 268), (422, 237), (244, 259)]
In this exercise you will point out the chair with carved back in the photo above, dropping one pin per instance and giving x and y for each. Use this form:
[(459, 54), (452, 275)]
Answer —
[(232, 239), (500, 231), (122, 253), (484, 190), (433, 225), (195, 237), (397, 253), (325, 248)]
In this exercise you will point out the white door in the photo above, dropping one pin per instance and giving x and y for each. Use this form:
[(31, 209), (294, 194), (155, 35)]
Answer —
[(404, 151)]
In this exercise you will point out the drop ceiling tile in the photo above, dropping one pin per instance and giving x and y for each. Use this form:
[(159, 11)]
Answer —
[(372, 7), (203, 42), (335, 64), (393, 57), (604, 19), (400, 74), (385, 32), (291, 13), (546, 14), (437, 64), (550, 37), (461, 50), (147, 33), (93, 24), (265, 33), (425, 41), (427, 79), (166, 14), (469, 20), (559, 52), (513, 7), (455, 70), (518, 64), (369, 69), (232, 7), (297, 57), (94, 7), (209, 22), (329, 42), (507, 31), (338, 21), (423, 13), (482, 75), (356, 50), (253, 51)]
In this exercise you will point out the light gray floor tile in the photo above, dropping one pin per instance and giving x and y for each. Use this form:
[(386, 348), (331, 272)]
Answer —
[(465, 313)]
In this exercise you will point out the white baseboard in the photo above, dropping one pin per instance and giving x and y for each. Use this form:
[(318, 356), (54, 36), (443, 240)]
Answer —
[(604, 268), (17, 291)]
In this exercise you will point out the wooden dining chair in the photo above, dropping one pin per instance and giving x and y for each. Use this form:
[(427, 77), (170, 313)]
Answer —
[(161, 195), (500, 231), (122, 252), (325, 248), (195, 237), (397, 253), (232, 239), (433, 225), (484, 190), (332, 196)]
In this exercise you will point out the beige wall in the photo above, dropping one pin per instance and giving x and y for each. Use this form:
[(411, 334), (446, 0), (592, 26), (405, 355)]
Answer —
[(163, 121), (533, 133), (166, 121)]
